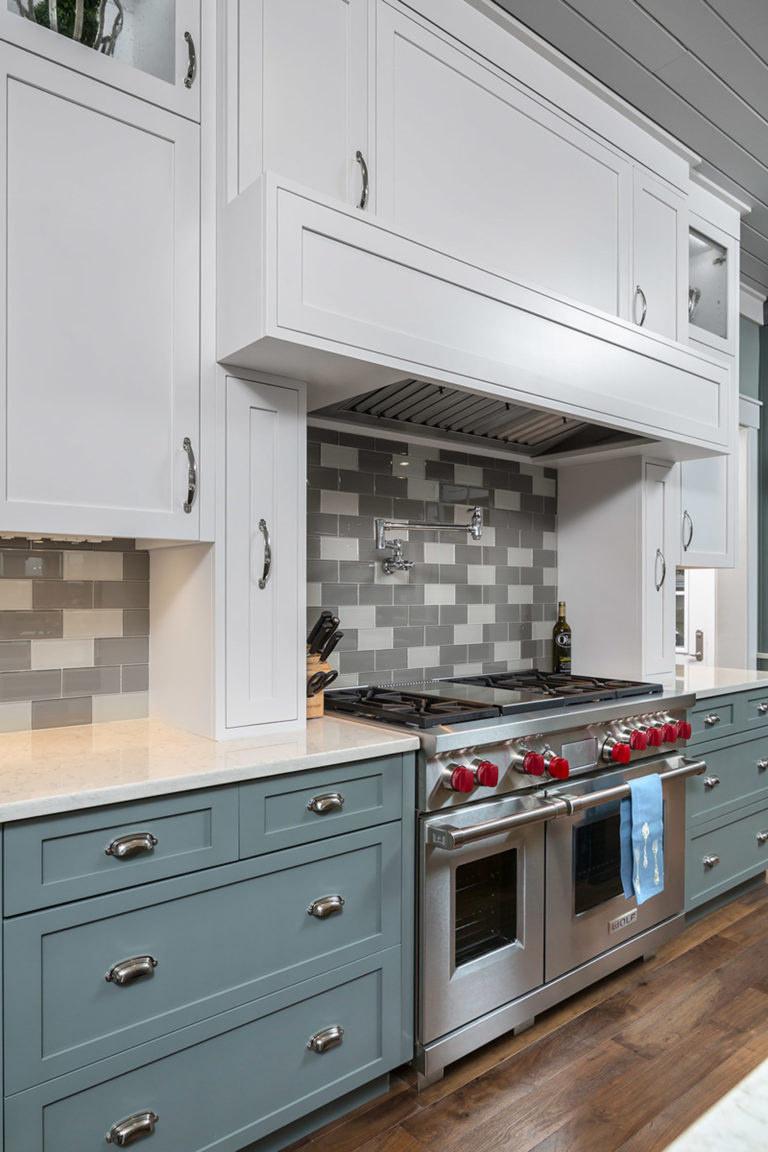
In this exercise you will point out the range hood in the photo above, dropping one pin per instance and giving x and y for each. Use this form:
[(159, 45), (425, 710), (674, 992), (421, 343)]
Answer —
[(413, 406)]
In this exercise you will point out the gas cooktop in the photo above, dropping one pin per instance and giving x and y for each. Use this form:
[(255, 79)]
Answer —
[(466, 698)]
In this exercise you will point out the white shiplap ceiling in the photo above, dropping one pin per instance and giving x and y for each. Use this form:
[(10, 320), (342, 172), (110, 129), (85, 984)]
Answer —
[(698, 68)]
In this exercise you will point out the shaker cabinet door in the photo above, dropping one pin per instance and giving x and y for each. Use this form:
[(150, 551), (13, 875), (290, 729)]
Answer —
[(660, 555), (659, 257), (297, 93), (264, 560), (708, 492), (469, 163), (100, 246)]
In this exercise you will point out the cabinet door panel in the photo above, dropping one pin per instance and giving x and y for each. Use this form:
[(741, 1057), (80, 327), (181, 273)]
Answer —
[(264, 450), (660, 557), (101, 365), (469, 163), (708, 496), (301, 96), (659, 265)]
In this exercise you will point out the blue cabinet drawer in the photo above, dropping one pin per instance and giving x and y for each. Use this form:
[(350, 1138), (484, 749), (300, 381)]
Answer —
[(736, 774), (722, 857), (753, 709), (711, 719), (224, 1090), (60, 858), (214, 949), (286, 810)]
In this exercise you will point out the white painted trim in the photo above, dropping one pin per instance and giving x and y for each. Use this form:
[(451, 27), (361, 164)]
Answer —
[(727, 198), (749, 411), (751, 303)]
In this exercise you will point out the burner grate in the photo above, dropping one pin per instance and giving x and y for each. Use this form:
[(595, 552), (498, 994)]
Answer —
[(417, 709)]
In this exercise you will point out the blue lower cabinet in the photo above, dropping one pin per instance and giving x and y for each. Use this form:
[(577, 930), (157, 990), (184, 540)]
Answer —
[(91, 979), (722, 857), (272, 1064)]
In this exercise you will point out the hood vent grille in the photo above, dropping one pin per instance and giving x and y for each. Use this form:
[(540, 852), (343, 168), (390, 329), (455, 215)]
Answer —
[(447, 413)]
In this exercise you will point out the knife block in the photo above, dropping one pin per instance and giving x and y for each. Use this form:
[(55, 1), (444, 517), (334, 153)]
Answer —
[(316, 703)]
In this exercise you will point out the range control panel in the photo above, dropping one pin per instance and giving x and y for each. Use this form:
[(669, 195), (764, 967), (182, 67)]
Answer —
[(482, 771)]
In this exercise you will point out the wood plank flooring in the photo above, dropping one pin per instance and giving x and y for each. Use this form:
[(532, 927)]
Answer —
[(624, 1066)]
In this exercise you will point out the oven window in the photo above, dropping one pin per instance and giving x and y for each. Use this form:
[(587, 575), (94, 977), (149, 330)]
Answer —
[(486, 906), (597, 858)]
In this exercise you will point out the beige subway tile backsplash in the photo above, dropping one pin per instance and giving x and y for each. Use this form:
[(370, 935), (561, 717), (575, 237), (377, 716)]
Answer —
[(15, 594), (74, 633)]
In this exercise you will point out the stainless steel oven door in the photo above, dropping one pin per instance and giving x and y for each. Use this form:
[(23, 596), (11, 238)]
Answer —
[(480, 924), (586, 911)]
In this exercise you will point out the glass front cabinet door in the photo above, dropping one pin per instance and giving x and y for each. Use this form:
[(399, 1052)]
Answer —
[(712, 286), (148, 47)]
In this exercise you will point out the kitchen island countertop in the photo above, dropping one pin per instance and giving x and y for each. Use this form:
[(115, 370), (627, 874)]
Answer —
[(61, 769), (707, 681), (735, 1123)]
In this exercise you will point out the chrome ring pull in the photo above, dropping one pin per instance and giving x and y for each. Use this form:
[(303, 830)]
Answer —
[(133, 1128), (191, 475), (660, 556), (328, 1038), (639, 292), (129, 970), (267, 554), (189, 79), (364, 195), (687, 543), (123, 847)]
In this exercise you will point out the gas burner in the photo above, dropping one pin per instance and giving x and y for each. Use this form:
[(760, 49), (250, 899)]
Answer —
[(415, 709), (561, 688)]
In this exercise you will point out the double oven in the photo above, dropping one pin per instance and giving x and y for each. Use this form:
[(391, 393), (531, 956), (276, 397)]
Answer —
[(520, 899)]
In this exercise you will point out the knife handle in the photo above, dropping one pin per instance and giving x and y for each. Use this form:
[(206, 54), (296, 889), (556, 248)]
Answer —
[(330, 644), (319, 626)]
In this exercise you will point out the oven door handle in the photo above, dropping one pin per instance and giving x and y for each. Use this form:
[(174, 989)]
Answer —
[(451, 838)]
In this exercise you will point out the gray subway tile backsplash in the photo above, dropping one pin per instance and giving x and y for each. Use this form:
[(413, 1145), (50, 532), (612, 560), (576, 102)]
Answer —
[(462, 605), (104, 584)]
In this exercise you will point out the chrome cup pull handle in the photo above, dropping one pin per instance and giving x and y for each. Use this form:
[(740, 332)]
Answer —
[(763, 708), (762, 765), (189, 79), (328, 802), (659, 581), (328, 1038), (711, 719), (267, 554), (639, 292), (687, 517), (325, 906), (711, 782), (762, 837), (364, 168), (134, 1128), (191, 474), (123, 847), (129, 970), (711, 861)]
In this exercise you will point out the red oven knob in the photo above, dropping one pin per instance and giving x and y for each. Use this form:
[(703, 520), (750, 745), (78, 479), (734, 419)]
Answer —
[(534, 764), (461, 779), (669, 733), (655, 737), (559, 768), (638, 741), (487, 774), (621, 753), (684, 730)]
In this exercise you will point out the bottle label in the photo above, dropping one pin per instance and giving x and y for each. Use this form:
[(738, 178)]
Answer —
[(563, 640)]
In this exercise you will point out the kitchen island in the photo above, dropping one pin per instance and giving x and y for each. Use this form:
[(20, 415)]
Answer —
[(737, 1122)]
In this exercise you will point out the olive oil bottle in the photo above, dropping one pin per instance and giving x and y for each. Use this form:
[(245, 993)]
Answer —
[(561, 642)]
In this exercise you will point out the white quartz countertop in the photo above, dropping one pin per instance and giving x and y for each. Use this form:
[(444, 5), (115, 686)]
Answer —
[(60, 769), (705, 681), (736, 1123)]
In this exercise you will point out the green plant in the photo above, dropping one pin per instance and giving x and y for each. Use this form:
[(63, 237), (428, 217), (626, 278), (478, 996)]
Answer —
[(82, 20)]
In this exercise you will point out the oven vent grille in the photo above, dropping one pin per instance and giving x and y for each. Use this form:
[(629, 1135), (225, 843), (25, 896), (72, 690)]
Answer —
[(435, 410)]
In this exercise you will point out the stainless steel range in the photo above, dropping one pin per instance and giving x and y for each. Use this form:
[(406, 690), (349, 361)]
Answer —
[(519, 783)]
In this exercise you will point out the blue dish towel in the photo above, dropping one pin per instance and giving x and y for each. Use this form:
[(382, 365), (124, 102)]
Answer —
[(642, 839)]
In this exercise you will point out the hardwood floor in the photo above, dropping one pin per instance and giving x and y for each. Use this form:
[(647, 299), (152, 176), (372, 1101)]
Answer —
[(624, 1066)]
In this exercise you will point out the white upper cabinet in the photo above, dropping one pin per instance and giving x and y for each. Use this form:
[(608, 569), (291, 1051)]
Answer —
[(470, 163), (99, 307), (150, 48), (297, 93), (708, 507), (659, 256)]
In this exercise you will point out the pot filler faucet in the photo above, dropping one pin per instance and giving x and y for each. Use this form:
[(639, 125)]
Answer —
[(397, 562)]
